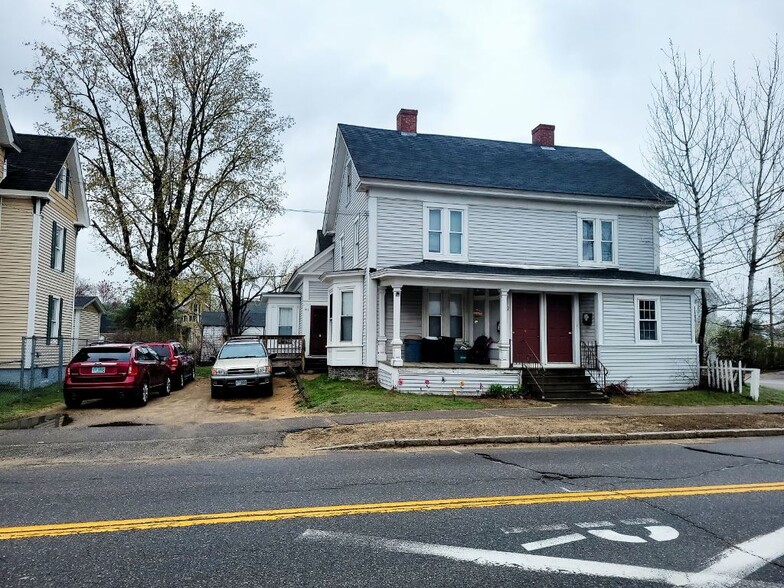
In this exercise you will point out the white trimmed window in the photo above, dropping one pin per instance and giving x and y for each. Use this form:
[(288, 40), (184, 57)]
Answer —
[(342, 252), (347, 316), (285, 320), (444, 314), (57, 258), (444, 232), (598, 242), (54, 318), (347, 173), (648, 319), (62, 181)]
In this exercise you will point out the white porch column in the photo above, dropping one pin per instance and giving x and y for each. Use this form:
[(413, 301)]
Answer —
[(381, 343), (397, 343), (503, 344)]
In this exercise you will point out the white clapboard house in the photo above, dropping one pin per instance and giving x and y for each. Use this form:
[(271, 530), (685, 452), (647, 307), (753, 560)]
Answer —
[(550, 252)]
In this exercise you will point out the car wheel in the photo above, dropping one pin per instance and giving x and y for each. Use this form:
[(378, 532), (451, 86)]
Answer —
[(71, 400), (181, 381), (143, 394), (215, 393), (266, 390), (167, 387)]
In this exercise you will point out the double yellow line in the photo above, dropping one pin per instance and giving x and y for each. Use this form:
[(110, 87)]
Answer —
[(315, 512)]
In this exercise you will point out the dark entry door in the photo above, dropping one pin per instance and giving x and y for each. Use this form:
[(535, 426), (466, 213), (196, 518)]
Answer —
[(526, 334), (559, 328), (318, 330)]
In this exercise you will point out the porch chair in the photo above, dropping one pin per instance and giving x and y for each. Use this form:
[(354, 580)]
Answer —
[(480, 352)]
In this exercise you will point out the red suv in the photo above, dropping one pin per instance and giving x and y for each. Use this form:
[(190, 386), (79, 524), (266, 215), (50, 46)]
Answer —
[(119, 370), (182, 367)]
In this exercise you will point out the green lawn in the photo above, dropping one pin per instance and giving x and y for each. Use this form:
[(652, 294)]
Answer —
[(698, 398), (203, 371), (330, 395), (13, 405)]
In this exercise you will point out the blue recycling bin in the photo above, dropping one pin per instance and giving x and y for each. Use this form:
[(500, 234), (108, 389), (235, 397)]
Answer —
[(412, 350)]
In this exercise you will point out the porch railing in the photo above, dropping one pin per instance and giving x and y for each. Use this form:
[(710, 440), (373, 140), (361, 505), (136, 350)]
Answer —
[(589, 361), (534, 368), (289, 350)]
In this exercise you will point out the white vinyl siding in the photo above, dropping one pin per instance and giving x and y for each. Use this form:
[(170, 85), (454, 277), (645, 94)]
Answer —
[(399, 239), (637, 243), (352, 215)]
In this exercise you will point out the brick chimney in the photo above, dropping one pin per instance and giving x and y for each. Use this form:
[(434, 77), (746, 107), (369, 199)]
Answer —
[(407, 120), (543, 135)]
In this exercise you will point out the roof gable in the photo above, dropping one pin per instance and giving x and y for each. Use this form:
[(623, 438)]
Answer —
[(383, 154), (35, 167)]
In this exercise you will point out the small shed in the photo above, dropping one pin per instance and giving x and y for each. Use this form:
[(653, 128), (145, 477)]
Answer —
[(88, 311)]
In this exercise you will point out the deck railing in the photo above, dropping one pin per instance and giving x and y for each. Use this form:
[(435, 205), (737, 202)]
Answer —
[(589, 361), (289, 350)]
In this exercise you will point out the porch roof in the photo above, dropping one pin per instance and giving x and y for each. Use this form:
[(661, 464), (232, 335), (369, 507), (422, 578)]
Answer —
[(497, 273)]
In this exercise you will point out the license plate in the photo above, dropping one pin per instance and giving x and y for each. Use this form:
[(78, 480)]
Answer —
[(99, 370), (240, 382)]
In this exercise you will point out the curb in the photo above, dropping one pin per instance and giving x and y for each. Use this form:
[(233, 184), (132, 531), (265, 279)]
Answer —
[(559, 438)]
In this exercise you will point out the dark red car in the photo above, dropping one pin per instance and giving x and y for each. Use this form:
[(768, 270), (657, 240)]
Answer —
[(182, 366), (118, 370)]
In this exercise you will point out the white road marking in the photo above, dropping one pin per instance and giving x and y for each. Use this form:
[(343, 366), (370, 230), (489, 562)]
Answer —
[(615, 536), (594, 525), (745, 558), (639, 521), (662, 533), (562, 488), (530, 562), (561, 540), (729, 567), (513, 530)]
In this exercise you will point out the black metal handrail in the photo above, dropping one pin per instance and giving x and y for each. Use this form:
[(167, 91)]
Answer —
[(533, 368), (589, 361)]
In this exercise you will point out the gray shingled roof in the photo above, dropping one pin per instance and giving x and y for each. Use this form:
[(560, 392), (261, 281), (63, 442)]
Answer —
[(36, 167), (82, 301), (257, 316), (497, 270), (439, 159)]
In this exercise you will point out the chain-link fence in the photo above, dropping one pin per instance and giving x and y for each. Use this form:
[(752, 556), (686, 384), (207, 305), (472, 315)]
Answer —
[(41, 363)]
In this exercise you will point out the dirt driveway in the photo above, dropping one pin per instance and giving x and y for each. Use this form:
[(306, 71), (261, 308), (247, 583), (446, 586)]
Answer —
[(191, 405)]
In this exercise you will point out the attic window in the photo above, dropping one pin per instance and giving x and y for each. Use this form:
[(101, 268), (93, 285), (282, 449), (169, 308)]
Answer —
[(348, 182), (62, 181)]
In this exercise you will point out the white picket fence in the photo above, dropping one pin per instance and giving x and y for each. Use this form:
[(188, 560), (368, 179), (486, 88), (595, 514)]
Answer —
[(723, 375)]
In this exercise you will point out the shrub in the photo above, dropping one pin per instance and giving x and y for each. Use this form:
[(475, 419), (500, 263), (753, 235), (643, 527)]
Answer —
[(499, 391), (618, 389)]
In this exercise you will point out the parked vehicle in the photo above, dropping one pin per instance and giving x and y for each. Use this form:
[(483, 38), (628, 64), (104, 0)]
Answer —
[(182, 366), (242, 364), (119, 370)]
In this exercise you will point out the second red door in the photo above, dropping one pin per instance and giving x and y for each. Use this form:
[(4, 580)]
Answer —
[(559, 328)]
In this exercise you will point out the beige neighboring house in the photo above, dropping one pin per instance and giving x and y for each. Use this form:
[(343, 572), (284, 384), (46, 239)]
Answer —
[(42, 209), (87, 318)]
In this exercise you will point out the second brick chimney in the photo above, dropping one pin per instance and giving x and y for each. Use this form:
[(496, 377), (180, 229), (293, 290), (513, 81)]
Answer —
[(407, 120), (543, 135)]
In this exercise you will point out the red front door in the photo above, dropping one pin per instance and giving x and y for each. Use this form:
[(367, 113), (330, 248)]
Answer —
[(318, 330), (559, 328), (526, 334)]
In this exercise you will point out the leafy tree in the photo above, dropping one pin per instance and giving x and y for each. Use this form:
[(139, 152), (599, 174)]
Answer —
[(174, 125)]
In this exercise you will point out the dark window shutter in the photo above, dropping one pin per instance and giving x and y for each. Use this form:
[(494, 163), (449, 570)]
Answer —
[(60, 320), (54, 245), (49, 319), (65, 246)]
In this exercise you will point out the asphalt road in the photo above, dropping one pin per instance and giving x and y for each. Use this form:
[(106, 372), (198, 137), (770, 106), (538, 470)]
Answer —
[(706, 514)]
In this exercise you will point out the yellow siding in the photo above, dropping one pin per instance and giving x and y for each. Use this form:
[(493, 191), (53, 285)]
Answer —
[(89, 324), (52, 282), (16, 229)]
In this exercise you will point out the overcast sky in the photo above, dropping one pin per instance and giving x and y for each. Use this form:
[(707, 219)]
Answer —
[(493, 70)]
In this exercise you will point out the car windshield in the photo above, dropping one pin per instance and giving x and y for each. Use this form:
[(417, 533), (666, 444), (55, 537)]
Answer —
[(103, 354), (162, 350), (237, 350)]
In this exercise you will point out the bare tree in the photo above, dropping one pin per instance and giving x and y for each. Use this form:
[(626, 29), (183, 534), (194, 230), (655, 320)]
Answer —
[(174, 124), (238, 263), (691, 142), (82, 286), (759, 174)]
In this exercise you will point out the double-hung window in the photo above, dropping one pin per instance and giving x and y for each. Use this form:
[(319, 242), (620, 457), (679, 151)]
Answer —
[(444, 312), (444, 232), (54, 318), (62, 181), (342, 252), (57, 258), (347, 315), (434, 314), (648, 319), (285, 320), (598, 241), (356, 242)]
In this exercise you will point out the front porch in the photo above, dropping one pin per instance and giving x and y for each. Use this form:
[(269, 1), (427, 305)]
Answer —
[(460, 379)]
